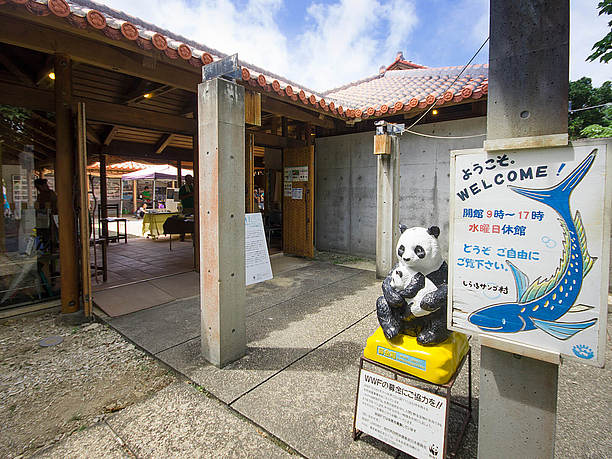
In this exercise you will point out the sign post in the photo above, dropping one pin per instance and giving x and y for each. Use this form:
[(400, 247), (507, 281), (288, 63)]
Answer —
[(522, 341)]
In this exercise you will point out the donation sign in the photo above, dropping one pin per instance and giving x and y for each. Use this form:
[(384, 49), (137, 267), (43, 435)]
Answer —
[(529, 248), (405, 417), (258, 268)]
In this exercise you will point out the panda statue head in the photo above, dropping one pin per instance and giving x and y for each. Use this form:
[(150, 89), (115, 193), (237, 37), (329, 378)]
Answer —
[(418, 249)]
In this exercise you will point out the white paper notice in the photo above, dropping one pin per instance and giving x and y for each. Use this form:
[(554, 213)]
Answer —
[(257, 261), (300, 174), (297, 193), (405, 417)]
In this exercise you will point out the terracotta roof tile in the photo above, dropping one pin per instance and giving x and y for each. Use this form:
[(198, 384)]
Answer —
[(406, 89), (389, 92)]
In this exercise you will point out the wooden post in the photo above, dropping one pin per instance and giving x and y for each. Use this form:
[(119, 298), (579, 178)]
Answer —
[(103, 214), (2, 232), (64, 178), (84, 211), (135, 195), (249, 162), (179, 174), (196, 204)]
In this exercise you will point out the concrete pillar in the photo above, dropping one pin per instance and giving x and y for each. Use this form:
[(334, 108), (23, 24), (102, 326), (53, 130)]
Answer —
[(64, 184), (387, 208), (528, 68), (517, 405), (221, 210), (528, 91)]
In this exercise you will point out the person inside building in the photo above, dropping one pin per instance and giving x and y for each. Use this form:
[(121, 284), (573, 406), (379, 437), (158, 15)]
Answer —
[(141, 210), (47, 199), (186, 195), (146, 195)]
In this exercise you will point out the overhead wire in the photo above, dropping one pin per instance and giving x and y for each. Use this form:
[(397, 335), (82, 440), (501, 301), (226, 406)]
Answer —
[(408, 129)]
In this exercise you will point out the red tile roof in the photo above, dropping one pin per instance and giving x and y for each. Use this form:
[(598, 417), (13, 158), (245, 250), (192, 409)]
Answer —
[(386, 93), (405, 90)]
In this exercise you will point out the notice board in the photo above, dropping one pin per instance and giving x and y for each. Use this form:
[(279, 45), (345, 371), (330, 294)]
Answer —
[(403, 416), (529, 248), (257, 263)]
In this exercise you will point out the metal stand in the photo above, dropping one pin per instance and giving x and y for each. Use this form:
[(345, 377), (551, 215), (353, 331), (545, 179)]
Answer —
[(435, 390)]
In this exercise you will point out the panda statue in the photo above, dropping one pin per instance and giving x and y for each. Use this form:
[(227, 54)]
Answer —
[(415, 292)]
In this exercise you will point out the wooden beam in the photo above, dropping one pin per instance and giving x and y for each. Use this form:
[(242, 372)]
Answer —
[(163, 143), (92, 137), (252, 108), (139, 94), (42, 76), (64, 184), (111, 135), (281, 108), (150, 65), (15, 69), (249, 164), (147, 151), (105, 112), (275, 141)]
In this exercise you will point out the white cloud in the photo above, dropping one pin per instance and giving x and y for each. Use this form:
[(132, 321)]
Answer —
[(348, 39), (586, 28), (345, 41)]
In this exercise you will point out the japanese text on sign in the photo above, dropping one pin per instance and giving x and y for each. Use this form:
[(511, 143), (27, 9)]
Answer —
[(405, 417), (528, 236)]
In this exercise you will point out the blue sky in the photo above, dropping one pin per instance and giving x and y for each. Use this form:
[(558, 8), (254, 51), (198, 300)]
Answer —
[(326, 43)]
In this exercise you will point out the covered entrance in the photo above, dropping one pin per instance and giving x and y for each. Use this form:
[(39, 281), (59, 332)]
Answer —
[(100, 92)]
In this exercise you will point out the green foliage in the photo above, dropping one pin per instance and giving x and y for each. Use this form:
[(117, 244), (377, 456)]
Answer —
[(582, 94), (596, 131), (603, 48)]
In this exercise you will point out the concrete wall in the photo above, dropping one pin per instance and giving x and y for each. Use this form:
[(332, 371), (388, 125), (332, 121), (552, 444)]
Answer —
[(345, 206), (345, 214)]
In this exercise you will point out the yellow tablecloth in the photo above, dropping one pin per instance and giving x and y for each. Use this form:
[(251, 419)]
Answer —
[(154, 223)]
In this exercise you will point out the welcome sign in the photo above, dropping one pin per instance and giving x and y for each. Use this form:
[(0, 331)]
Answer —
[(529, 247)]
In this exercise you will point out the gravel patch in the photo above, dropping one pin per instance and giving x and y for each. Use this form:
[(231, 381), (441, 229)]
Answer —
[(48, 393)]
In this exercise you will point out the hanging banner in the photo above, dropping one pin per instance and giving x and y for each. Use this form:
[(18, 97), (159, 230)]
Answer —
[(258, 268), (529, 248), (403, 416)]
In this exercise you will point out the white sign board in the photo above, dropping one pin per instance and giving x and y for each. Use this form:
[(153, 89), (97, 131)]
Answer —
[(288, 186), (529, 248), (296, 174), (405, 417), (258, 268)]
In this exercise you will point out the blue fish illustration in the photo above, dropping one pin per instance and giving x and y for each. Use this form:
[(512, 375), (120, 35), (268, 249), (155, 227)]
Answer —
[(542, 302)]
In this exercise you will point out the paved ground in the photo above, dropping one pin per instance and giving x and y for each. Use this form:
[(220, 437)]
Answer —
[(294, 391), (143, 258)]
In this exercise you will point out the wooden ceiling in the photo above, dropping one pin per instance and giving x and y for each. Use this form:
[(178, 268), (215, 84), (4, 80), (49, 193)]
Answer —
[(136, 108)]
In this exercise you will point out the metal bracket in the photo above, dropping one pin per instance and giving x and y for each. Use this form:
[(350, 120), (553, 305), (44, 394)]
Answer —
[(390, 128), (226, 68)]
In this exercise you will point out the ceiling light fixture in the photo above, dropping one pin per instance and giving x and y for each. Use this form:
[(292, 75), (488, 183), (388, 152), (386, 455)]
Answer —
[(147, 95), (51, 75), (434, 112)]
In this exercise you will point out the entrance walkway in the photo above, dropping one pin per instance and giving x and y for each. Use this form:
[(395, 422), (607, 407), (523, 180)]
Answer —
[(306, 329)]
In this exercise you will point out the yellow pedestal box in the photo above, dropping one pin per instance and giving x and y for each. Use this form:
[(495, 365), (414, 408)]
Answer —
[(436, 364)]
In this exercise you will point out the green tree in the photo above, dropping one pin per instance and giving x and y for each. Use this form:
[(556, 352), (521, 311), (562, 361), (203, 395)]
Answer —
[(603, 48), (582, 94)]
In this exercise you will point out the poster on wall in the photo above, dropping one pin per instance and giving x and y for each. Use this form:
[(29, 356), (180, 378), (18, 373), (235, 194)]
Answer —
[(258, 268), (529, 248)]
